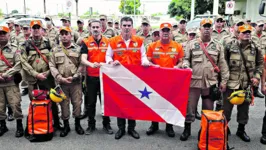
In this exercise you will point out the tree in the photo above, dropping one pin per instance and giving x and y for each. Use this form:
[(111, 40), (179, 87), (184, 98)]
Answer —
[(181, 8), (127, 7), (14, 11)]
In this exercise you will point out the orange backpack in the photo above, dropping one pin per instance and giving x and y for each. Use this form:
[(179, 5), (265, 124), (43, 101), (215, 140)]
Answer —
[(40, 121), (213, 132)]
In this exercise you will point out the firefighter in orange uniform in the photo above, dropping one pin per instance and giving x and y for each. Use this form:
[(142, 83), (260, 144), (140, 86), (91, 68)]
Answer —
[(165, 53), (126, 49)]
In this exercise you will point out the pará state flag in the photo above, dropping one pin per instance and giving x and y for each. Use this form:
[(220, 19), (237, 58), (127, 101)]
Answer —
[(145, 93)]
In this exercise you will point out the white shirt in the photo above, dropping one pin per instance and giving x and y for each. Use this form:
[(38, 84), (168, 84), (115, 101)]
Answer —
[(110, 53)]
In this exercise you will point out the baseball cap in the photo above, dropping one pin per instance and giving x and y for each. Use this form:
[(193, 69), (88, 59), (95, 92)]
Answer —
[(182, 20), (65, 18), (17, 23), (260, 22), (102, 16), (192, 30), (80, 20), (4, 28), (205, 21), (174, 24), (245, 28), (48, 17), (218, 17), (155, 30), (237, 21), (65, 29), (10, 21), (110, 20), (166, 25), (145, 20), (35, 22)]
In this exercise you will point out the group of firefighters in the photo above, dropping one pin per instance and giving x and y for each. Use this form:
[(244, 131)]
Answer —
[(46, 57)]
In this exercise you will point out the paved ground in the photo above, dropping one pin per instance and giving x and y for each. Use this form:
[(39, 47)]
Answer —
[(160, 141)]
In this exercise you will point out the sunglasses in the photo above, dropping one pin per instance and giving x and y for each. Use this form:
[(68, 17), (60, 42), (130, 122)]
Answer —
[(126, 25), (192, 34), (219, 21), (261, 26), (64, 33), (166, 30), (25, 28), (16, 25), (182, 22), (145, 24), (95, 27), (207, 26), (2, 33), (246, 32), (175, 26), (240, 24), (102, 19), (36, 27)]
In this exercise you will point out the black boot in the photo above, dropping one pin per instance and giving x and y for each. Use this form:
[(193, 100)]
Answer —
[(25, 92), (186, 133), (66, 129), (263, 139), (10, 116), (120, 133), (169, 130), (153, 128), (91, 126), (242, 134), (257, 92), (20, 130), (78, 127), (3, 128)]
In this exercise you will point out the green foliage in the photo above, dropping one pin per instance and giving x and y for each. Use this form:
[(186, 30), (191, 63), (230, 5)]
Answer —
[(62, 14), (127, 7), (181, 8), (14, 11), (1, 13), (156, 14)]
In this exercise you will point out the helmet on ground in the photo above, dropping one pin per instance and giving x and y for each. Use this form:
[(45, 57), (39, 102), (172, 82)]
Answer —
[(237, 97)]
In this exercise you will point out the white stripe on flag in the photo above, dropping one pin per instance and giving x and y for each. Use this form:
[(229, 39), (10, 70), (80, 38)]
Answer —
[(133, 84)]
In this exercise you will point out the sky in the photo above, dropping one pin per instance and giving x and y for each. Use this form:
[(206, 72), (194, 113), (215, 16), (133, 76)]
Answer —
[(107, 7)]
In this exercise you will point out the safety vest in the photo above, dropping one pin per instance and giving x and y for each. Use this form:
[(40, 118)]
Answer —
[(165, 56), (95, 53), (130, 55)]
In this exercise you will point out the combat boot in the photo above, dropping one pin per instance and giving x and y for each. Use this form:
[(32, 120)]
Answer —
[(66, 129), (169, 130), (242, 134), (186, 133), (78, 127), (20, 130), (3, 128)]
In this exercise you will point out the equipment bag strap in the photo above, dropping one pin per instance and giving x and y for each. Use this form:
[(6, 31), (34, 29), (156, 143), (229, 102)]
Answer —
[(43, 57), (216, 68), (244, 62), (2, 57)]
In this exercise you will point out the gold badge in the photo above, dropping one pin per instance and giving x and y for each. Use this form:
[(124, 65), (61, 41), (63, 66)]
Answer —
[(173, 49), (135, 44), (172, 56), (157, 48)]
